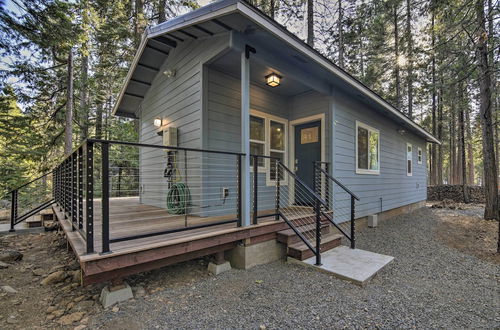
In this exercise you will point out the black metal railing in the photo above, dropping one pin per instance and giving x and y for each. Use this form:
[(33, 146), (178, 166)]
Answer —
[(30, 198), (341, 201), (102, 183)]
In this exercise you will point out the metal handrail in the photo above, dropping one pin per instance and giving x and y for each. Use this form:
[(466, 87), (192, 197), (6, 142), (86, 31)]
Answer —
[(347, 190)]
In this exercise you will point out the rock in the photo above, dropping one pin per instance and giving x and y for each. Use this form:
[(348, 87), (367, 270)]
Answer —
[(38, 272), (77, 275), (55, 277), (51, 317), (70, 318), (11, 319), (51, 309), (78, 299), (85, 320), (115, 309), (10, 255), (3, 265), (262, 327), (56, 268), (8, 289), (70, 305), (58, 313), (80, 327), (140, 291)]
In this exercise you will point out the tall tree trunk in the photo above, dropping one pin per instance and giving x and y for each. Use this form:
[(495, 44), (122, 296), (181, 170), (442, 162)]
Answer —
[(440, 132), (138, 21), (162, 16), (84, 96), (494, 82), (453, 159), (396, 54), (272, 8), (310, 23), (433, 165), (470, 151), (463, 164), (68, 130), (341, 36), (491, 210), (98, 121), (409, 40)]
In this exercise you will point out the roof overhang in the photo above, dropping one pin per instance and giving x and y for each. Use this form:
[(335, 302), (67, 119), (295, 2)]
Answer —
[(214, 13)]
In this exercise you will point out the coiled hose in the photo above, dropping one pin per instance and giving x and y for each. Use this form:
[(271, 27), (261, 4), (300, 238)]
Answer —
[(178, 198)]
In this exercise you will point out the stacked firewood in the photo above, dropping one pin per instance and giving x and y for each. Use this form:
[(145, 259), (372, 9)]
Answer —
[(455, 193)]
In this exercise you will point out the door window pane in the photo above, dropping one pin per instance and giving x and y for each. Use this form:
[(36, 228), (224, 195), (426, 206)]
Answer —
[(362, 148), (277, 136), (257, 131)]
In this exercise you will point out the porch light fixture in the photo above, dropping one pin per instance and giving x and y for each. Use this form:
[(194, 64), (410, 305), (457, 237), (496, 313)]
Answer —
[(157, 122), (273, 79)]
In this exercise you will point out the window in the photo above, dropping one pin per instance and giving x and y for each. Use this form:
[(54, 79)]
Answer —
[(257, 139), (268, 136), (367, 149), (409, 159), (419, 155)]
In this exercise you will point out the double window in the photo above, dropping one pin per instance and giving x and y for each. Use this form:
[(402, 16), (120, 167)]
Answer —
[(419, 155), (268, 136), (367, 149)]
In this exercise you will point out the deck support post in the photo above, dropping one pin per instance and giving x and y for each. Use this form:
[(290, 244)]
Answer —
[(245, 139)]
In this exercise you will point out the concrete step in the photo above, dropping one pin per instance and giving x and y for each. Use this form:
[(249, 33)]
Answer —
[(289, 237), (300, 250), (47, 214)]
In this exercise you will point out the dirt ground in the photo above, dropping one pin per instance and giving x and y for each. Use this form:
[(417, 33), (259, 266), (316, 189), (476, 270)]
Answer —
[(63, 303), (461, 227)]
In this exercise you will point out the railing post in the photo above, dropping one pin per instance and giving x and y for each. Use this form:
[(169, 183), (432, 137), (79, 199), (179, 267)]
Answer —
[(255, 195), (238, 200), (80, 187), (277, 178), (318, 233), (353, 240), (13, 210), (315, 172), (105, 196), (89, 197), (327, 187)]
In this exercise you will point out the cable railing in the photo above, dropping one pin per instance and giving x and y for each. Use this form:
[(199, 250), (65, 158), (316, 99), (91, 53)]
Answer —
[(30, 198), (340, 207), (115, 191)]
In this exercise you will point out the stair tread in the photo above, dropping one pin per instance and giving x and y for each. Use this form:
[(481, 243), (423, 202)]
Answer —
[(291, 232), (301, 246)]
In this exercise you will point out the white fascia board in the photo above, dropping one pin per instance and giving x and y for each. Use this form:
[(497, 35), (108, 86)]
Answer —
[(299, 45), (166, 29)]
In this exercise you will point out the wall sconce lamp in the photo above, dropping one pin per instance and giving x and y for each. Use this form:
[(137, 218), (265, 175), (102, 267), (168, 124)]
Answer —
[(273, 79), (157, 122)]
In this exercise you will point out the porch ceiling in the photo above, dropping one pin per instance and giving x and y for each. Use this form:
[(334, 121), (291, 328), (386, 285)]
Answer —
[(230, 63)]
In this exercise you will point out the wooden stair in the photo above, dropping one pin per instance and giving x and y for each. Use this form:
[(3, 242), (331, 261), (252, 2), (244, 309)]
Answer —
[(297, 249)]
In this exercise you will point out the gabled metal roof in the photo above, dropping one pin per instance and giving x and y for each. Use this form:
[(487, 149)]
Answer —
[(220, 17)]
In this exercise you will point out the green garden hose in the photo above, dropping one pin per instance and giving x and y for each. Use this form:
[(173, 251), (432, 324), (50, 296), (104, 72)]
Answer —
[(178, 198)]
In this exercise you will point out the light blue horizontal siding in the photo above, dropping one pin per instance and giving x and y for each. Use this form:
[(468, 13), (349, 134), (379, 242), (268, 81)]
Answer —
[(392, 185)]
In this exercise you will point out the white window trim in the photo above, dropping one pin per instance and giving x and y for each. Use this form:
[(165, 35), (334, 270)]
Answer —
[(409, 157), (370, 129), (267, 144), (420, 156)]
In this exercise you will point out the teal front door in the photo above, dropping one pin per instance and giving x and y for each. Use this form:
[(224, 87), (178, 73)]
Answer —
[(307, 151)]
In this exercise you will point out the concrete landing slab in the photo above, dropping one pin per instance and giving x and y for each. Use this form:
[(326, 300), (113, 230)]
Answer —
[(355, 265)]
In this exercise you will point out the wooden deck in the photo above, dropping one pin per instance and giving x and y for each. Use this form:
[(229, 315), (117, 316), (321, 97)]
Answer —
[(129, 217)]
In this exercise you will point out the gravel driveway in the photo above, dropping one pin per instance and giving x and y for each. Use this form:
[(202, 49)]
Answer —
[(427, 286)]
